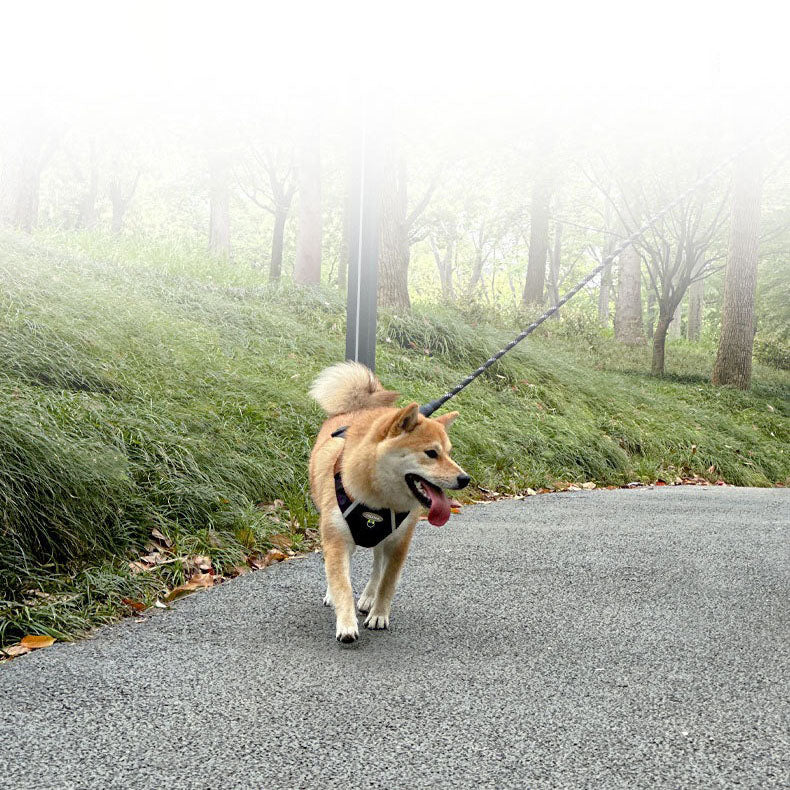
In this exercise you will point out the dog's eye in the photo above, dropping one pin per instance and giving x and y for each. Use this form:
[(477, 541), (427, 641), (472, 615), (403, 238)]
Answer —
[(431, 453)]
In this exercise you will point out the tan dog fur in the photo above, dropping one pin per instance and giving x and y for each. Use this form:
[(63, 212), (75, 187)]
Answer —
[(381, 445)]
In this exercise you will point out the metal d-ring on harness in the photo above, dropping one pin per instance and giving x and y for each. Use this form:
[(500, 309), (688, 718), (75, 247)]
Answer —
[(429, 408)]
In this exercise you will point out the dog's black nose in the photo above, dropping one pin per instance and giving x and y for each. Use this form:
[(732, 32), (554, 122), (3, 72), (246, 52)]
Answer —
[(463, 481)]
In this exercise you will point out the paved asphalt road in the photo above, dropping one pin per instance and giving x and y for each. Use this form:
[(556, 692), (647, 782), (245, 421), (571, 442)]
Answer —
[(598, 639)]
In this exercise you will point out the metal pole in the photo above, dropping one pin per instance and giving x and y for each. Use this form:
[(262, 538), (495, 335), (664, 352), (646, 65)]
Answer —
[(363, 248)]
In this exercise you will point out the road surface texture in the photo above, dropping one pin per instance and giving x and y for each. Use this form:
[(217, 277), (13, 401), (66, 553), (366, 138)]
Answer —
[(601, 639)]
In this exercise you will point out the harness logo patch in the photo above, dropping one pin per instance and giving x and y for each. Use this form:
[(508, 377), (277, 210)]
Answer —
[(373, 518)]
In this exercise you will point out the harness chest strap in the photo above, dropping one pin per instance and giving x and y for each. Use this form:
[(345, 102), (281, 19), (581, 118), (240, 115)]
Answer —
[(368, 526)]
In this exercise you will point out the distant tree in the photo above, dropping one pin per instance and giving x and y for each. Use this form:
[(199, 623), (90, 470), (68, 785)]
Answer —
[(443, 236), (695, 302), (484, 238), (307, 266), (121, 194), (677, 250), (268, 179), (650, 323), (399, 229), (555, 260), (734, 358), (22, 177), (394, 240), (86, 211), (219, 204), (675, 325), (538, 242), (605, 290), (628, 326)]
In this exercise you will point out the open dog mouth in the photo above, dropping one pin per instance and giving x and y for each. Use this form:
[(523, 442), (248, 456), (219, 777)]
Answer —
[(430, 496)]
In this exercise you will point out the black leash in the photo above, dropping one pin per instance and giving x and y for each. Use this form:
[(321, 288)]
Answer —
[(429, 408)]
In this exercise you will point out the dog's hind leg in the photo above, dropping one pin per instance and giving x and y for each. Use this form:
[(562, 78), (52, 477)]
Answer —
[(391, 555), (337, 564)]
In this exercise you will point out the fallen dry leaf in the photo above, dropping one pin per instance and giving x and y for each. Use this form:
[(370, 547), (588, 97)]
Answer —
[(239, 570), (137, 567), (589, 486), (197, 581), (12, 651), (163, 539), (151, 559), (136, 605), (36, 641), (274, 555), (159, 605), (201, 562), (281, 540), (177, 592)]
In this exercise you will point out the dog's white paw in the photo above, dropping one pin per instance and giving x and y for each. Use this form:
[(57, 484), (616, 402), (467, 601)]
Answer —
[(365, 603), (327, 599), (377, 622), (347, 633)]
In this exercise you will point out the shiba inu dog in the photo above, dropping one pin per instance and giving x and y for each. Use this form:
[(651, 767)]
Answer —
[(373, 468)]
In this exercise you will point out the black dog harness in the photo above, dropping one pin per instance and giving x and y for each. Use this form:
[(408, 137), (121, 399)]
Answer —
[(368, 526)]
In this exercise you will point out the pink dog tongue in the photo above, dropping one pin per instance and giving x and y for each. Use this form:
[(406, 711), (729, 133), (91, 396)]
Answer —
[(440, 505)]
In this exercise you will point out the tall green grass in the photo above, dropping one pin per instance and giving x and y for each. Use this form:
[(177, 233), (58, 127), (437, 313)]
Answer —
[(140, 389)]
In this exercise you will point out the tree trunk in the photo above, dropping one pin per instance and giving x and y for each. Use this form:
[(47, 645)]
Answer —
[(86, 216), (219, 197), (538, 243), (394, 243), (651, 314), (120, 200), (554, 267), (444, 265), (694, 321), (659, 345), (477, 271), (605, 291), (118, 214), (734, 358), (674, 332), (604, 295), (345, 243), (307, 266), (628, 309), (276, 262), (27, 199)]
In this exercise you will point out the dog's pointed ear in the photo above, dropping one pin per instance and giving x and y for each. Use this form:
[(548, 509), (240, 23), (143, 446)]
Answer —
[(405, 420), (447, 419)]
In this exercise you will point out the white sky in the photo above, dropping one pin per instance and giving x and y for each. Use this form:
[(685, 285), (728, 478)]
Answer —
[(197, 51)]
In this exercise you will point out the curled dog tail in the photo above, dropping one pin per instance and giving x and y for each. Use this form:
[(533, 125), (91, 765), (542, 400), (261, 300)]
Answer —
[(349, 386)]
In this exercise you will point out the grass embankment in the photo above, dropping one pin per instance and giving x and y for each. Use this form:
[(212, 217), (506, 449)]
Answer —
[(141, 390)]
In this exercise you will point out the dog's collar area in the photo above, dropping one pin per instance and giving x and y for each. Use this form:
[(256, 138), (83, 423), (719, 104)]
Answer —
[(369, 526)]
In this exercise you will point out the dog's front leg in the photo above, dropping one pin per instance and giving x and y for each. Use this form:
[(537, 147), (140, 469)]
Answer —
[(337, 564), (389, 558), (369, 593)]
